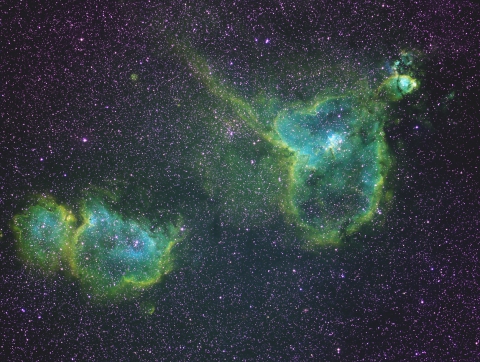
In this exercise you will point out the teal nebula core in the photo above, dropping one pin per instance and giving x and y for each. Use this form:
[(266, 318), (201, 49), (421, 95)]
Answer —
[(114, 254), (43, 231), (337, 147), (313, 135), (113, 257)]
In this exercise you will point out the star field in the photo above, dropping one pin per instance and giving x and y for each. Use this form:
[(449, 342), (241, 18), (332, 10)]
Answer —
[(199, 119)]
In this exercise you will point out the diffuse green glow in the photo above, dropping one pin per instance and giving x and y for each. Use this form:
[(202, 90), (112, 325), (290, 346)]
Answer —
[(397, 86), (220, 89), (336, 160), (116, 257), (113, 257), (44, 231), (341, 160)]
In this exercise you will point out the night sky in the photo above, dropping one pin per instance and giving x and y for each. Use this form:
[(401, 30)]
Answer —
[(171, 110)]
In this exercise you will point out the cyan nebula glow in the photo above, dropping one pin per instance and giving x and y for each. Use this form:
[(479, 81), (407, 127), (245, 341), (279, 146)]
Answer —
[(113, 257), (397, 86), (43, 232), (340, 163), (322, 161)]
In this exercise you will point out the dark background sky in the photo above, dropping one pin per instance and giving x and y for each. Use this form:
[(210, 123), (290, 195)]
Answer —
[(409, 292)]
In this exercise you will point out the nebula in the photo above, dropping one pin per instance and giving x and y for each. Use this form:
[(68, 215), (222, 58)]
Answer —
[(44, 231), (341, 160), (113, 257)]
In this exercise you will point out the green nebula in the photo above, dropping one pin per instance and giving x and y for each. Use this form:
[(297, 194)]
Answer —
[(341, 160), (397, 86), (313, 148), (44, 231), (116, 257)]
